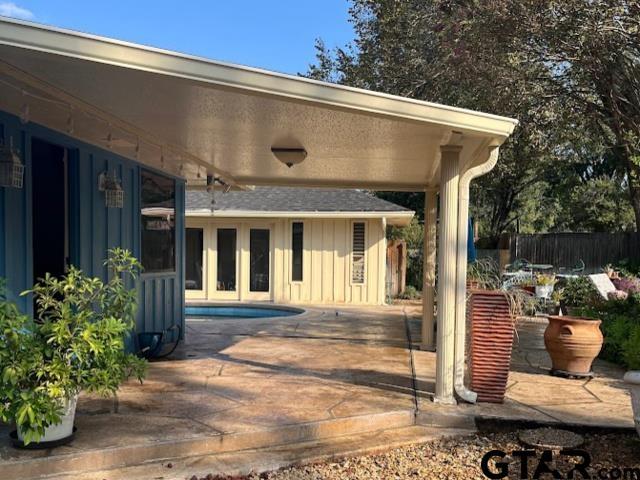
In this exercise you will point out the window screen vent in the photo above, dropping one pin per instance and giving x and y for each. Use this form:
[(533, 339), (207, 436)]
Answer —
[(357, 255)]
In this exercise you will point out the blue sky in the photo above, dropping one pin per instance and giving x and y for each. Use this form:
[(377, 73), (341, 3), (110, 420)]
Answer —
[(274, 34)]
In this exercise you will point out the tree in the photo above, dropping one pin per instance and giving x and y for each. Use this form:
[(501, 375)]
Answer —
[(512, 58), (588, 63)]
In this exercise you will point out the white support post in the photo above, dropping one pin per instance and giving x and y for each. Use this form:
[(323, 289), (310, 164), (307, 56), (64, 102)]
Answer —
[(445, 348), (429, 270)]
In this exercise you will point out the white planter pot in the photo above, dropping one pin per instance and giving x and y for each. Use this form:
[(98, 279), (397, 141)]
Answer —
[(544, 291), (59, 430), (632, 379)]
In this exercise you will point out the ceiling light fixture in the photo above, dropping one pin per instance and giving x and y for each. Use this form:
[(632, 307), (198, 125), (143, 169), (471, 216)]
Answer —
[(289, 156)]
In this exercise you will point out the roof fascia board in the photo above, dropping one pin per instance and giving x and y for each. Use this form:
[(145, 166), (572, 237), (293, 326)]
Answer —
[(98, 49), (275, 214)]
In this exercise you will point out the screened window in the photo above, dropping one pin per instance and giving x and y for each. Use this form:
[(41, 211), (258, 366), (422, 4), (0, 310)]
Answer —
[(357, 253), (158, 217), (194, 255), (297, 234)]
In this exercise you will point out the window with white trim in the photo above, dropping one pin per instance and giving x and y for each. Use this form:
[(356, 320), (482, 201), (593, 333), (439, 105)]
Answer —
[(358, 253), (297, 236)]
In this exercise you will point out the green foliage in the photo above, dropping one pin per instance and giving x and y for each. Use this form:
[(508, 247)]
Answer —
[(545, 279), (410, 293), (415, 263), (76, 343), (484, 274), (594, 206), (579, 292), (627, 268), (621, 329), (568, 71), (413, 235)]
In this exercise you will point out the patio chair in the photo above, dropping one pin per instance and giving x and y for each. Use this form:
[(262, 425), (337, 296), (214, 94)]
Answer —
[(516, 279), (151, 344), (576, 269), (519, 264)]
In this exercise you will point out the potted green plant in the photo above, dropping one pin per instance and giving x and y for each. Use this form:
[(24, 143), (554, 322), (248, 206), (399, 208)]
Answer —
[(493, 312), (554, 301), (577, 293), (544, 285), (574, 340), (75, 343)]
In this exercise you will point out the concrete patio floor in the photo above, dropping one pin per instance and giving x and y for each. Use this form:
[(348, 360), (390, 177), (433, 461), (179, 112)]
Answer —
[(532, 394), (329, 372)]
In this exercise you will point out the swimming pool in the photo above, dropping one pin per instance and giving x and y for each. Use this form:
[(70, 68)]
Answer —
[(240, 311)]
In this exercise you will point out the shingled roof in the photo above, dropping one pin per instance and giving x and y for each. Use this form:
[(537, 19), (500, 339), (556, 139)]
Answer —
[(292, 199)]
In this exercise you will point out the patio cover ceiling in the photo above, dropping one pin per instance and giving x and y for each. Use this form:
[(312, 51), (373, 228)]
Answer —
[(191, 117)]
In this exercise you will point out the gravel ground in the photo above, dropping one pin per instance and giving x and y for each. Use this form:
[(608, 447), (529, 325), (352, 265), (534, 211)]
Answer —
[(459, 458)]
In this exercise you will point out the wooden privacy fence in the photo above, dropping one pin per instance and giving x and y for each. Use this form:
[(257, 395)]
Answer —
[(565, 249)]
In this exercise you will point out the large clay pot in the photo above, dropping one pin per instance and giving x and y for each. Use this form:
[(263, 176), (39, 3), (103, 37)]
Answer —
[(573, 343), (491, 342)]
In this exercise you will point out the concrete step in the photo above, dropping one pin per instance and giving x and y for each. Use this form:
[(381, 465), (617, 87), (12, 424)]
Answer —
[(269, 459), (76, 460)]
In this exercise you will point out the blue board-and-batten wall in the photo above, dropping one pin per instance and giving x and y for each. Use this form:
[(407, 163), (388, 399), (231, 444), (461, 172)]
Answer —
[(93, 228)]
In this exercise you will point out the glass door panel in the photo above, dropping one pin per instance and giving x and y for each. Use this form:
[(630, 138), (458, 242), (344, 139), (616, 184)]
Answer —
[(227, 240), (194, 257), (259, 249)]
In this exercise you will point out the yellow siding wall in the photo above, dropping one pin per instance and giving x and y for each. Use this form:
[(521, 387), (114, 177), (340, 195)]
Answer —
[(326, 261)]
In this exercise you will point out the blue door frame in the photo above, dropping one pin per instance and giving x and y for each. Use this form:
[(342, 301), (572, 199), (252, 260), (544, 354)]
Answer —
[(93, 228)]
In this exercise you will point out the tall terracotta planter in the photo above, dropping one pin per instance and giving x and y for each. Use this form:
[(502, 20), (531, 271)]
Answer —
[(492, 331), (573, 343)]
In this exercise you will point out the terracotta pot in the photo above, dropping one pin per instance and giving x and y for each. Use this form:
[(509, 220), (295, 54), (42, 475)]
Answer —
[(573, 343), (491, 342), (473, 284)]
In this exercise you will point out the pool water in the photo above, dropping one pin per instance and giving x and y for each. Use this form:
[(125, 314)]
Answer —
[(226, 311)]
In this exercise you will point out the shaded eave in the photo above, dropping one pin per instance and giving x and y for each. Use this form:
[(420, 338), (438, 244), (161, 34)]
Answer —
[(321, 101)]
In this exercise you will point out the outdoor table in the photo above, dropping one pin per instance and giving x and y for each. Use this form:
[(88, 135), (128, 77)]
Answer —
[(540, 266), (567, 275)]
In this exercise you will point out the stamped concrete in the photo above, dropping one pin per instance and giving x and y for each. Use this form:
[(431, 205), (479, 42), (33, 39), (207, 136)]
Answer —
[(245, 384), (533, 394), (240, 385)]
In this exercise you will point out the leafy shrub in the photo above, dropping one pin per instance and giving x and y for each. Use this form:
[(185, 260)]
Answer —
[(627, 268), (579, 292), (410, 293), (75, 343), (621, 329), (414, 268)]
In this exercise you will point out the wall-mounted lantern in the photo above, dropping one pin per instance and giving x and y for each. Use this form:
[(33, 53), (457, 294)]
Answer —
[(11, 168), (113, 192)]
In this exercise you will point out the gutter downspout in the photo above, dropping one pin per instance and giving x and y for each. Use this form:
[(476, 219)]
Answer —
[(461, 272), (382, 288)]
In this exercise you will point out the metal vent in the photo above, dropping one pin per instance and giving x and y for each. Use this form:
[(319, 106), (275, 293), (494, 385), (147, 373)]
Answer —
[(358, 253)]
